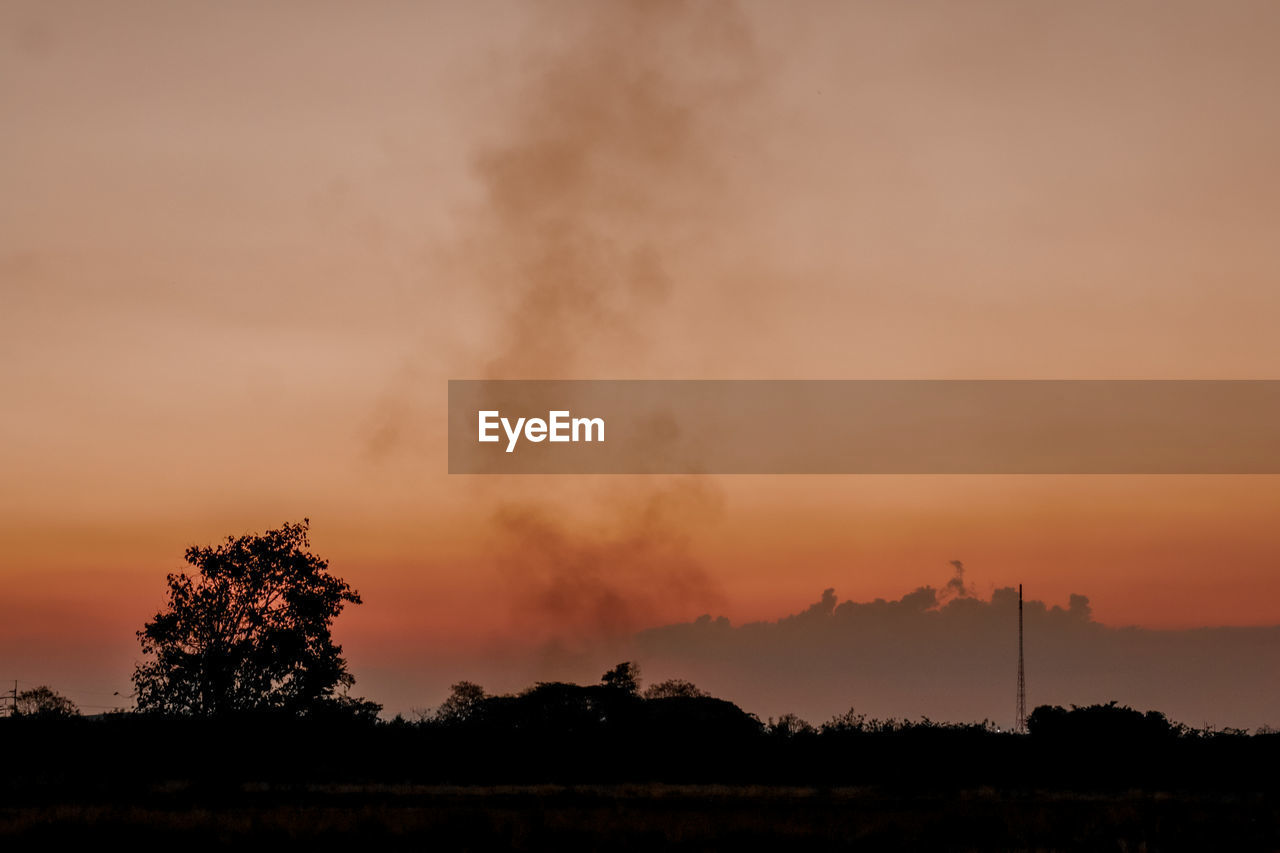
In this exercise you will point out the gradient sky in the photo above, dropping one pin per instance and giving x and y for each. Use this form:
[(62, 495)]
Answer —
[(243, 247)]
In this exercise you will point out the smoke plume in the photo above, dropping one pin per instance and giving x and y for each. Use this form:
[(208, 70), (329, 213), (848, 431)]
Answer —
[(603, 182), (956, 587), (607, 176), (578, 581)]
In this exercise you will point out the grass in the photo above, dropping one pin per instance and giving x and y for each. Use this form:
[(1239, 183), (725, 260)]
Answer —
[(647, 817)]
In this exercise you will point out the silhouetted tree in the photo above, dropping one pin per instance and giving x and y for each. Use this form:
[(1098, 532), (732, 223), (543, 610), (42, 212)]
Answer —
[(850, 722), (789, 725), (625, 676), (463, 704), (249, 631), (674, 688), (1099, 724), (43, 702)]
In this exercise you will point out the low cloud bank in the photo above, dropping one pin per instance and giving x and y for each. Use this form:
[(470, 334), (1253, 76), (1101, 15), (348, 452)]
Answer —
[(949, 655)]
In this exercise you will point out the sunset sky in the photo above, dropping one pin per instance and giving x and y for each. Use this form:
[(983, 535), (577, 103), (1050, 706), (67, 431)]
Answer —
[(244, 246)]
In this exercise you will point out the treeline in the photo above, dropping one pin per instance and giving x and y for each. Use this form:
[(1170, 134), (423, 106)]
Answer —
[(615, 732)]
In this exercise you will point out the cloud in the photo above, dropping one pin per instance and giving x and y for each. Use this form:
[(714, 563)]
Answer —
[(956, 659)]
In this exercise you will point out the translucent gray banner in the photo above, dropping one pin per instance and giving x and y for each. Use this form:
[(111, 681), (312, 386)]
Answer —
[(864, 427)]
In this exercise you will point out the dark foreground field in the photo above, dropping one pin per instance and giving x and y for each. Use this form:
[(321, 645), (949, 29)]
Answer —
[(642, 817), (566, 768)]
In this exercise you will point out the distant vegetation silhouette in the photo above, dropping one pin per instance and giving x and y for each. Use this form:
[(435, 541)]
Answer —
[(43, 702), (243, 671), (244, 735), (615, 731), (561, 766)]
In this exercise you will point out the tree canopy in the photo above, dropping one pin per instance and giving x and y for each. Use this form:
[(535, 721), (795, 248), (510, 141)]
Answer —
[(43, 702), (674, 688), (249, 630), (465, 699), (625, 677)]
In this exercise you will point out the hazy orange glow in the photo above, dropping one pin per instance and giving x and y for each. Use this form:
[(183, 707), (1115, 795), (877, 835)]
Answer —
[(242, 249)]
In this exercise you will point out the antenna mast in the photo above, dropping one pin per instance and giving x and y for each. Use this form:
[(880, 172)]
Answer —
[(1020, 721)]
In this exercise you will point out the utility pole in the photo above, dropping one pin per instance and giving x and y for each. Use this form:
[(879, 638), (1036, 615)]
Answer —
[(1020, 721)]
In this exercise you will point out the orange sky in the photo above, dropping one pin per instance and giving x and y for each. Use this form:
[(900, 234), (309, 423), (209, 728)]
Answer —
[(242, 248)]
